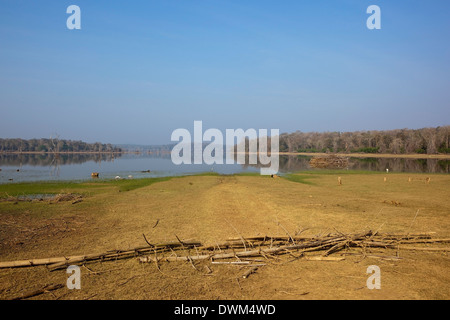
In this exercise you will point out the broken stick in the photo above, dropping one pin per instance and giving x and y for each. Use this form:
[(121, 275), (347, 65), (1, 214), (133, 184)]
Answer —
[(34, 293), (249, 272)]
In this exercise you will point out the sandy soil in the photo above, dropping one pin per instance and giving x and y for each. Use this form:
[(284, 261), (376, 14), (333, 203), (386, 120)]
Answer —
[(211, 209)]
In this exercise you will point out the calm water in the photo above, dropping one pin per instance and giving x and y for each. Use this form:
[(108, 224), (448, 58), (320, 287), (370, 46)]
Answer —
[(80, 166)]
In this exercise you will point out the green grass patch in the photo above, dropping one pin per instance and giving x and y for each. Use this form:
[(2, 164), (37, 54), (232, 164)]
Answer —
[(299, 178), (203, 174), (133, 184), (91, 187), (30, 188), (250, 174)]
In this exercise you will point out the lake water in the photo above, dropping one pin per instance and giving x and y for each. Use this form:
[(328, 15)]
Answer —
[(48, 167)]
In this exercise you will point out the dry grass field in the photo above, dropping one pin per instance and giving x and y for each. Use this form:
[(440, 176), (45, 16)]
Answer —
[(212, 208)]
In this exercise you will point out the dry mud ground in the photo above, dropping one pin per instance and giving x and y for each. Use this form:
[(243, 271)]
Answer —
[(211, 209)]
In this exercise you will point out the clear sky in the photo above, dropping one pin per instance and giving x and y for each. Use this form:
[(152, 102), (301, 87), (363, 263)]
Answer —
[(137, 70)]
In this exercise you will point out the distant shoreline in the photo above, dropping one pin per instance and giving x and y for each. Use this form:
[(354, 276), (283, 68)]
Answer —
[(351, 155), (80, 152), (64, 152), (371, 155), (364, 155)]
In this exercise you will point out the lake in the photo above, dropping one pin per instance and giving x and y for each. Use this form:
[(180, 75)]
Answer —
[(49, 167)]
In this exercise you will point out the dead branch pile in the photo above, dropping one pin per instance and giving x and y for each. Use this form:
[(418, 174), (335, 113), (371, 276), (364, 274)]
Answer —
[(64, 197), (261, 246), (327, 245), (329, 162), (62, 262)]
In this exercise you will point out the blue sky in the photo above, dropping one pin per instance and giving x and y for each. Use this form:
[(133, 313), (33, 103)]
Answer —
[(137, 70)]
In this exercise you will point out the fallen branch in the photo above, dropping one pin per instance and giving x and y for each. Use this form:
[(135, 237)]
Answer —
[(322, 258), (59, 262), (249, 272), (34, 293), (251, 253), (251, 247)]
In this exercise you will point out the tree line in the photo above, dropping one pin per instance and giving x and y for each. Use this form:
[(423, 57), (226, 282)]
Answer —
[(50, 159), (54, 145), (400, 141)]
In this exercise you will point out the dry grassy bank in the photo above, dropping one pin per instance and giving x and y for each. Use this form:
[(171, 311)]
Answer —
[(213, 208)]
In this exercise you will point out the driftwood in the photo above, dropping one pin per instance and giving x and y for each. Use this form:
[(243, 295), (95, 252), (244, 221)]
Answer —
[(60, 262), (268, 246), (122, 254), (34, 262), (34, 293), (248, 247), (249, 272), (316, 245)]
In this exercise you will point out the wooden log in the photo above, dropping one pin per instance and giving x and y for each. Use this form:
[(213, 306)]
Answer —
[(322, 258), (231, 262), (336, 247), (123, 254), (34, 262), (34, 293), (249, 272), (280, 238), (59, 262)]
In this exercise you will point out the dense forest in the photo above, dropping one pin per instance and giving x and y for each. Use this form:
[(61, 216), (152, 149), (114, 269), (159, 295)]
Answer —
[(55, 145), (401, 141)]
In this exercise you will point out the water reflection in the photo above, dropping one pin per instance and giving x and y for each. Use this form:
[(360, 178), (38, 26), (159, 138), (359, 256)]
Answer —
[(35, 167), (49, 159), (301, 163)]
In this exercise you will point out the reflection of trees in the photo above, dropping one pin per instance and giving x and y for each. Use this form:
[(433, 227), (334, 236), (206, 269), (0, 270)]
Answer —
[(53, 160), (286, 163), (398, 165), (444, 165), (159, 154), (301, 163)]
